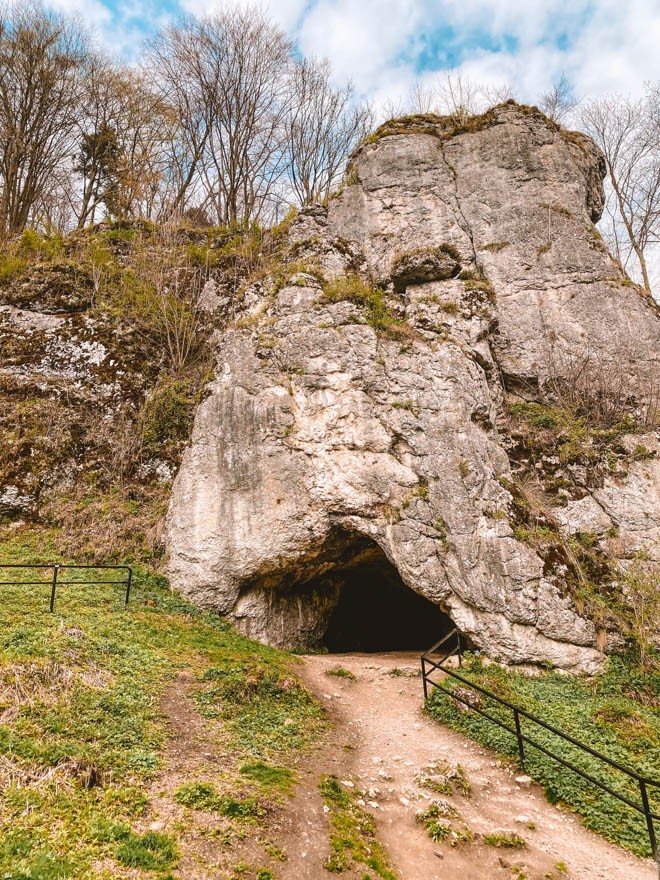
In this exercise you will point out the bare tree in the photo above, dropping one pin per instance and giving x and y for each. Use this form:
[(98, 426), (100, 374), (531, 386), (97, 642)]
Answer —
[(168, 312), (322, 127), (248, 57), (627, 132), (126, 130), (175, 67), (421, 98), (42, 56), (559, 101), (232, 68)]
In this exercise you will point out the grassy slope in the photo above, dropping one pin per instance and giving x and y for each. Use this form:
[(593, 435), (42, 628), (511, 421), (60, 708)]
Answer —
[(617, 714), (82, 733)]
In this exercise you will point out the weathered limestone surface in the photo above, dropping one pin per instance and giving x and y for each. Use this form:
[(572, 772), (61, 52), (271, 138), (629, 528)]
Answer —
[(320, 437)]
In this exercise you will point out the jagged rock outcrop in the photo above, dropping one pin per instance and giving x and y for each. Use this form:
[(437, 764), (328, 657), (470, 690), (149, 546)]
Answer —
[(346, 421)]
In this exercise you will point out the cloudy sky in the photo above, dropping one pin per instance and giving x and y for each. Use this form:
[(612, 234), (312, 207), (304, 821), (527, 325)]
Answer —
[(385, 45)]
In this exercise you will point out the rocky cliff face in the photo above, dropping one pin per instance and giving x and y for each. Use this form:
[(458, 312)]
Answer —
[(383, 402)]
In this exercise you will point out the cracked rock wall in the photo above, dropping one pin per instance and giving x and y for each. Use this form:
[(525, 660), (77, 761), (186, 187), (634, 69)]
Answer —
[(317, 425)]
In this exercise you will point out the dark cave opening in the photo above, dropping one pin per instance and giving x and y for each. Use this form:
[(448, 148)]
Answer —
[(377, 612)]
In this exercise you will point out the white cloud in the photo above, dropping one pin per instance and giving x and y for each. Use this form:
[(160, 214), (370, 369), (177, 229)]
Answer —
[(605, 45), (363, 40), (379, 44)]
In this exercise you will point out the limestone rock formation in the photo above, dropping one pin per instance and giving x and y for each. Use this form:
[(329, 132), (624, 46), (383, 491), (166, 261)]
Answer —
[(361, 422)]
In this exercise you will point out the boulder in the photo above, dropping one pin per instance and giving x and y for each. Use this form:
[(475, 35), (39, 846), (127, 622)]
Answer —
[(365, 428)]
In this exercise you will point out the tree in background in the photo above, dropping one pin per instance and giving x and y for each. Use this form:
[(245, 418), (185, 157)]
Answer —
[(174, 66), (221, 119), (42, 62), (322, 127), (628, 133), (559, 101), (229, 70)]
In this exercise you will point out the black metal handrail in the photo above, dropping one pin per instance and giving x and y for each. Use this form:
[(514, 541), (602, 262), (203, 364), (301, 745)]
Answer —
[(642, 781), (54, 581)]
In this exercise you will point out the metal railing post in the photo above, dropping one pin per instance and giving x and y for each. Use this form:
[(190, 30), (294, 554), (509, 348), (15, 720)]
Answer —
[(424, 682), (649, 821), (53, 587), (521, 744), (458, 650), (128, 586)]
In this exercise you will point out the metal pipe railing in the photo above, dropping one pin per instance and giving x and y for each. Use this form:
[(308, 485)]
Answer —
[(55, 580), (430, 665)]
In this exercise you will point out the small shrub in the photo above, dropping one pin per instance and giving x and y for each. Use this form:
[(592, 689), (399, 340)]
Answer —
[(508, 839), (496, 246), (403, 404), (167, 415), (11, 267), (46, 246), (351, 288), (439, 829), (477, 281), (442, 529), (340, 672)]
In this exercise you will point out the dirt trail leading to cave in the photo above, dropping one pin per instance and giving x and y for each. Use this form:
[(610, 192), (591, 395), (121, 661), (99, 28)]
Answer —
[(391, 742)]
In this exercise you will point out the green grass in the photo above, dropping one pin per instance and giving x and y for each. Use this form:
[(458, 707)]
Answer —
[(204, 796), (352, 833), (443, 825), (371, 299), (269, 777), (264, 708), (617, 713), (82, 730), (508, 839), (151, 851)]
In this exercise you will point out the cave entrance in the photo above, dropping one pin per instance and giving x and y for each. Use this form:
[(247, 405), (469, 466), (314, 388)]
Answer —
[(376, 612)]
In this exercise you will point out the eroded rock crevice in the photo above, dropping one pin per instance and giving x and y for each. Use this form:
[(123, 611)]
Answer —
[(348, 597)]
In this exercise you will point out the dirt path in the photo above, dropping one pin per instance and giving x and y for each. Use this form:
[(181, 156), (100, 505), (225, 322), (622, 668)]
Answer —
[(390, 742)]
